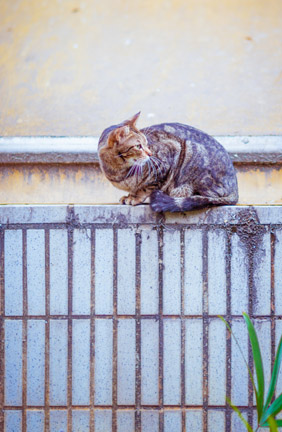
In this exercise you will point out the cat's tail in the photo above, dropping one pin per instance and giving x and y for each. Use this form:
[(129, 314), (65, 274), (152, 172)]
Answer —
[(161, 202)]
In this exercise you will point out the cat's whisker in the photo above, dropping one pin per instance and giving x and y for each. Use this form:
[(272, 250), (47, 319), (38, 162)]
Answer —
[(130, 172), (156, 165), (154, 172), (159, 164), (154, 169), (157, 160), (135, 170), (149, 168)]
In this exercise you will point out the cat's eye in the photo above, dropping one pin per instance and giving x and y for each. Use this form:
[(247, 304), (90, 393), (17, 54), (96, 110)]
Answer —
[(139, 146)]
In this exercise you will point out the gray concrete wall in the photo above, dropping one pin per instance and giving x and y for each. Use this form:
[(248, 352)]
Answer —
[(109, 316)]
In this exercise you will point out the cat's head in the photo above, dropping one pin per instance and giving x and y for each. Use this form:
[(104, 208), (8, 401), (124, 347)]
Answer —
[(126, 145)]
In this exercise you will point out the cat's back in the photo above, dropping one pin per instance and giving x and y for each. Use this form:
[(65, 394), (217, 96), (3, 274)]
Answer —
[(202, 147), (185, 133), (201, 157)]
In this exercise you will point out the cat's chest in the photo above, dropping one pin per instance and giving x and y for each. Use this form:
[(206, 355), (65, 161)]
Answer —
[(122, 185)]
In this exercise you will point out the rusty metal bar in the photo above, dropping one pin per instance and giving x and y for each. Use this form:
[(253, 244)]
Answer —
[(24, 332), (2, 330), (121, 407), (250, 358), (182, 268), (228, 336), (272, 298), (205, 332), (200, 223), (69, 361), (47, 333), (161, 330), (121, 317), (92, 333), (115, 329), (138, 332)]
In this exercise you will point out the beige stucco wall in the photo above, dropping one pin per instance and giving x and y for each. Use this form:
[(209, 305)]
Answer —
[(72, 67), (85, 184)]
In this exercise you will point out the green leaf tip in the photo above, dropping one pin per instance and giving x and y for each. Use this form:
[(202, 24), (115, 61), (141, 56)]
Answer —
[(258, 364)]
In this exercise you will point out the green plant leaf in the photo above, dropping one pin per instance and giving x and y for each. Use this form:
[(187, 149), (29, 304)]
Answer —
[(274, 375), (242, 354), (272, 424), (278, 423), (274, 409), (258, 365), (249, 428)]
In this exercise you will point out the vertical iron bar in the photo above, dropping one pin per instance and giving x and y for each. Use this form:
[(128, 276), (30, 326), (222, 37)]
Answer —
[(92, 333), (115, 328), (161, 330), (138, 332), (24, 332), (2, 330), (250, 312), (182, 269), (205, 331), (69, 361), (228, 336), (47, 332), (272, 299)]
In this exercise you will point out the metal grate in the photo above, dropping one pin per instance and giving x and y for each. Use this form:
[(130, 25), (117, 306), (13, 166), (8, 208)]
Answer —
[(114, 326)]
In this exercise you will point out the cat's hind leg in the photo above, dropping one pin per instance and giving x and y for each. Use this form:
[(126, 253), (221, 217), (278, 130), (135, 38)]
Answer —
[(161, 202), (172, 202)]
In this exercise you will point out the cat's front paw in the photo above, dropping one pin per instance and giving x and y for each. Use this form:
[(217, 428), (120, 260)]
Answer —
[(123, 199), (131, 200)]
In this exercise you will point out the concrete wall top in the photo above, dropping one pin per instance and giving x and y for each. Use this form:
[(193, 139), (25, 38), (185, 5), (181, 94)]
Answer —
[(41, 150), (120, 215)]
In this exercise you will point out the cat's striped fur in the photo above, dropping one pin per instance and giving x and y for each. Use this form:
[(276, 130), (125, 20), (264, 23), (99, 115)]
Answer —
[(178, 166)]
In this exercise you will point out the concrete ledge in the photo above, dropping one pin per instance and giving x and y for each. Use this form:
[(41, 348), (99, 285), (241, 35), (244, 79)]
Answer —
[(120, 215), (266, 149)]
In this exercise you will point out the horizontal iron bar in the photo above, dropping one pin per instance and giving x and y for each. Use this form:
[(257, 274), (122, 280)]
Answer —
[(121, 407), (132, 316)]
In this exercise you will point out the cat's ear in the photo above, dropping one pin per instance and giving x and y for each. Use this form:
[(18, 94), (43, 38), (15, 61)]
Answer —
[(133, 120), (118, 134)]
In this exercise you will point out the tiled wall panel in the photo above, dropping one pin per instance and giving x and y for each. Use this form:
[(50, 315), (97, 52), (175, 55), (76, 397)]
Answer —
[(113, 326)]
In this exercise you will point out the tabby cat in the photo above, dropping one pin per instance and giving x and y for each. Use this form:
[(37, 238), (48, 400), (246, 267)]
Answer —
[(179, 167)]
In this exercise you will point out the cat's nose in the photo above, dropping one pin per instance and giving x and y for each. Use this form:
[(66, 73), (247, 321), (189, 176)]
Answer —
[(149, 153)]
